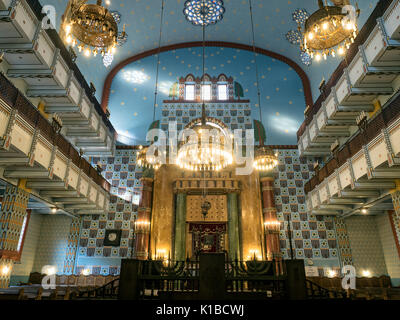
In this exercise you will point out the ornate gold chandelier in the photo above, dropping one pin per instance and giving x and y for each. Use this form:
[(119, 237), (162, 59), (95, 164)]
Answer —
[(329, 31), (90, 27), (209, 149), (264, 159)]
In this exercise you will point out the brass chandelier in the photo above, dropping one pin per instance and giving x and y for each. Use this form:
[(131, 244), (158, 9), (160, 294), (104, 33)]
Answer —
[(146, 160), (329, 31), (209, 149), (91, 27), (264, 158)]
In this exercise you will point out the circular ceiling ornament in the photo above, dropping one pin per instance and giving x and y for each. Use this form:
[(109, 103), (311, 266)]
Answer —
[(204, 12), (117, 16), (108, 59), (293, 36), (300, 16), (305, 58)]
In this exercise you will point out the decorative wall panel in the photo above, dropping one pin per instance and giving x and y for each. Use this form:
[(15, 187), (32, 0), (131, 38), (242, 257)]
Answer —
[(122, 173), (314, 237), (217, 212)]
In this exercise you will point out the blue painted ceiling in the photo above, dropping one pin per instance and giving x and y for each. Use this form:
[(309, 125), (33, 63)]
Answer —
[(272, 18), (282, 99)]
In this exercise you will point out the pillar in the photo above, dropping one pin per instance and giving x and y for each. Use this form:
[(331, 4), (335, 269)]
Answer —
[(343, 241), (142, 224), (271, 223), (233, 226), (180, 227), (395, 218), (12, 215), (72, 246)]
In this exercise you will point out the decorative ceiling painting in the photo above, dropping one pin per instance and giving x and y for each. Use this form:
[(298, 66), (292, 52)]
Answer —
[(132, 92), (275, 30)]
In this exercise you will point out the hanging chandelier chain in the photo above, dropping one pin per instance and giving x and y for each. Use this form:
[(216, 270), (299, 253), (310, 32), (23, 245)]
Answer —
[(158, 59), (203, 108), (255, 60)]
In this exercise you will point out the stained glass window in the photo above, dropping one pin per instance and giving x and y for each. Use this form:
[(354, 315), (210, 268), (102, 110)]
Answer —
[(222, 92), (189, 92), (204, 12), (206, 92)]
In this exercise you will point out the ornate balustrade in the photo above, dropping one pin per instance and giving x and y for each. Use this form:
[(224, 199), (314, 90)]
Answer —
[(368, 74), (31, 149), (39, 57)]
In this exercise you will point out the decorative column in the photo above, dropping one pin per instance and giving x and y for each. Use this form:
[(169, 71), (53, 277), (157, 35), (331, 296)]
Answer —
[(343, 240), (72, 245), (395, 218), (271, 223), (142, 224), (180, 227), (12, 216), (233, 225)]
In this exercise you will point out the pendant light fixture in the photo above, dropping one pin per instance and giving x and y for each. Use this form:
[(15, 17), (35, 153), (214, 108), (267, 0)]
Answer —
[(264, 157), (144, 159)]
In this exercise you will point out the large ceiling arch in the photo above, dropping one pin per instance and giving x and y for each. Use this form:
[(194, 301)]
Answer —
[(303, 76)]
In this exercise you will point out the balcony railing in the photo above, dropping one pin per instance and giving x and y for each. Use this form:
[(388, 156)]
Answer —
[(388, 115), (366, 30), (58, 43), (16, 100)]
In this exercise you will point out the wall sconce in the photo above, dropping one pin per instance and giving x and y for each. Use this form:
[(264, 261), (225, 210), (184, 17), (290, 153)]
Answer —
[(272, 226), (5, 270), (142, 225)]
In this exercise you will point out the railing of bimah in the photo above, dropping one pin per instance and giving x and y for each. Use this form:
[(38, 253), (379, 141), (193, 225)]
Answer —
[(254, 277), (167, 277)]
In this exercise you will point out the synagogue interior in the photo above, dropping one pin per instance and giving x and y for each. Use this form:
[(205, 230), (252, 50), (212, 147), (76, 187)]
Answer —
[(199, 149)]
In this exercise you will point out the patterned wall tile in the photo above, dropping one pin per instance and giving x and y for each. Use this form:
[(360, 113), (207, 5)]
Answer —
[(123, 174)]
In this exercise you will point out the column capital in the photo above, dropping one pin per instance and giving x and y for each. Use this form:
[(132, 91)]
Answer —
[(146, 179), (267, 179)]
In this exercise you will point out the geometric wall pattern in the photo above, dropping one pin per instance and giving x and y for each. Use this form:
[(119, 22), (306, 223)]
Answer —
[(72, 245), (343, 242), (390, 252), (123, 175), (234, 115), (12, 215), (313, 237), (395, 218), (22, 269)]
